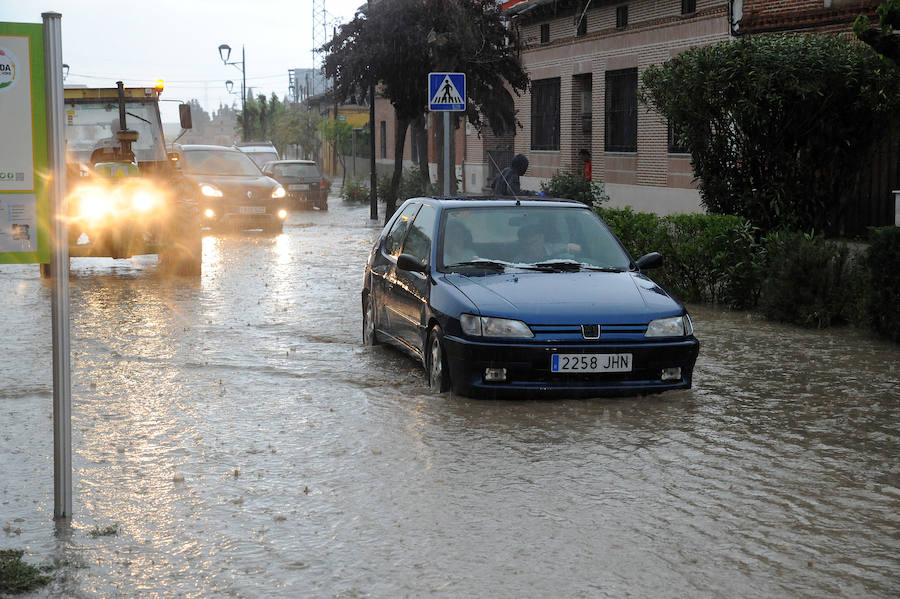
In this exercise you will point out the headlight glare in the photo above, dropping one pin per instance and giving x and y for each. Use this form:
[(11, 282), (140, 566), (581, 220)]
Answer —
[(673, 326), (143, 201), (210, 191), (279, 192), (488, 326)]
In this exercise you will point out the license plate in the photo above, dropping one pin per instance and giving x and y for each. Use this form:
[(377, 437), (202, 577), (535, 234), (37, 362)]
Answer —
[(590, 363), (299, 187), (251, 209)]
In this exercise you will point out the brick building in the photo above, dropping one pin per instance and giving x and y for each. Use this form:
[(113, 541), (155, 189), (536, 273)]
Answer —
[(585, 59)]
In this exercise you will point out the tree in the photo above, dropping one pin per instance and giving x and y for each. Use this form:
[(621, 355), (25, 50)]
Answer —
[(886, 40), (396, 43), (777, 126), (339, 134), (262, 113)]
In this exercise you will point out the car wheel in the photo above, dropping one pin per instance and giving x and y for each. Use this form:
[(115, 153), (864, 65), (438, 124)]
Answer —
[(369, 321), (436, 362)]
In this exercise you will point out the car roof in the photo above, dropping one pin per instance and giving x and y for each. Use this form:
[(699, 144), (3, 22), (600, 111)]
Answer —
[(189, 147), (480, 201), (313, 162)]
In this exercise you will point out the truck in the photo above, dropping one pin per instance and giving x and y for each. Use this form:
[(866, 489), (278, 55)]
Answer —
[(124, 196)]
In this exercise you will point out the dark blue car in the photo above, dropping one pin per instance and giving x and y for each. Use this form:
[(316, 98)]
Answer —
[(532, 297)]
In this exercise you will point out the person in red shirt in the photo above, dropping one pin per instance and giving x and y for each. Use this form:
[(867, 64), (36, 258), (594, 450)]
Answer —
[(586, 158)]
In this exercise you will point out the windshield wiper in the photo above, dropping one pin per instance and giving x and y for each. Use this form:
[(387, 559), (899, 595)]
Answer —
[(559, 265), (573, 266), (481, 263), (138, 117)]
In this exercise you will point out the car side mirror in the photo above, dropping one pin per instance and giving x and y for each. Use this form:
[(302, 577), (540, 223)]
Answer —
[(411, 263), (651, 260), (184, 115)]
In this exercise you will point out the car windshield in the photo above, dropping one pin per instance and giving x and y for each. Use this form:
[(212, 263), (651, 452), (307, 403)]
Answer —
[(219, 162), (299, 170), (536, 237), (260, 157)]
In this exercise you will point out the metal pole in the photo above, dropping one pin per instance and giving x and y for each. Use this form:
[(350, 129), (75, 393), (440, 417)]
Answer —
[(243, 91), (373, 176), (59, 270), (446, 153)]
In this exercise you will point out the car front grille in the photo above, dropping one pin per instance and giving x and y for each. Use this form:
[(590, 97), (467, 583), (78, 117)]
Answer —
[(587, 332)]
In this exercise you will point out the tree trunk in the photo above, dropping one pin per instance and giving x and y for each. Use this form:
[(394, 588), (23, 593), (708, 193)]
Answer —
[(399, 143), (421, 137)]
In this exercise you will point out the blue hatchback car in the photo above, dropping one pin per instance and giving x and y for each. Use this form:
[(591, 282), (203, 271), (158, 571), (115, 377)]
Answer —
[(506, 297)]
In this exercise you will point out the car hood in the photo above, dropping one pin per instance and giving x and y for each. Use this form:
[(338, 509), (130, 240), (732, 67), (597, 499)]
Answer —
[(567, 298), (237, 186)]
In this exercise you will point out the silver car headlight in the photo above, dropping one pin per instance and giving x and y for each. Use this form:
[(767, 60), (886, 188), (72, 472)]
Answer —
[(210, 191), (279, 192), (674, 326), (488, 326)]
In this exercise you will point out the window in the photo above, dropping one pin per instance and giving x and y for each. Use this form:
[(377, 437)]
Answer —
[(586, 107), (383, 139), (622, 17), (676, 141), (688, 6), (581, 29), (418, 242), (545, 114), (621, 111), (545, 33), (394, 240)]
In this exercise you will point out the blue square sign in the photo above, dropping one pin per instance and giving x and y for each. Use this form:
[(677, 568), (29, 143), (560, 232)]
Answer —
[(447, 92)]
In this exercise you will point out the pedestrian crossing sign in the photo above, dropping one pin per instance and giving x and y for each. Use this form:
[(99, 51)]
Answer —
[(447, 92)]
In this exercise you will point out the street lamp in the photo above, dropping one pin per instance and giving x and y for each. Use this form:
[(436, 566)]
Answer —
[(225, 54), (65, 71)]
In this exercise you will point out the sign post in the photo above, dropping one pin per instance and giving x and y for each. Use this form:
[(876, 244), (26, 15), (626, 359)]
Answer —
[(447, 93), (32, 196)]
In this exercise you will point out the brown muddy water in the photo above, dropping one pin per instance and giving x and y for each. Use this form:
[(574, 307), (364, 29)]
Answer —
[(243, 443)]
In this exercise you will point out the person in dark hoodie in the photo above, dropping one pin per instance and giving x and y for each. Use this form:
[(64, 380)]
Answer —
[(507, 182)]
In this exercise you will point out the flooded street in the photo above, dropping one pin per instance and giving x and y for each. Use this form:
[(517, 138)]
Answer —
[(243, 443)]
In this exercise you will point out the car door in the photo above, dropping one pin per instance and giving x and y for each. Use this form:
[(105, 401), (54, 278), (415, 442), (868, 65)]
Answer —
[(384, 271), (411, 289)]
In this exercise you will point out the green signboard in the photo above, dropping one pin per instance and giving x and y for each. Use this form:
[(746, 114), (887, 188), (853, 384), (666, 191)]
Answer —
[(24, 164)]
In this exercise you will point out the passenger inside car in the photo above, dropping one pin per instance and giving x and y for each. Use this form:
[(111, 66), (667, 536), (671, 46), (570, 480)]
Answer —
[(457, 243)]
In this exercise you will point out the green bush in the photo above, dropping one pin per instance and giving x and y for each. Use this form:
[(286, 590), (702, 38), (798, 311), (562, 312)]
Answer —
[(708, 258), (575, 186), (412, 186), (883, 283), (355, 190), (639, 232), (810, 281)]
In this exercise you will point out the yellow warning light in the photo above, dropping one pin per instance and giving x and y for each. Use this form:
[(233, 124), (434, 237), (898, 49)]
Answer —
[(160, 84)]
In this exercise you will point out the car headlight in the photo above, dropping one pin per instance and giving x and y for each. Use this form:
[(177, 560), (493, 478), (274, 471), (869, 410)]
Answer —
[(279, 192), (674, 326), (488, 326), (210, 191)]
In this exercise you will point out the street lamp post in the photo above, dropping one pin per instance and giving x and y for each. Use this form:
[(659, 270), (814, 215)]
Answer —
[(225, 54)]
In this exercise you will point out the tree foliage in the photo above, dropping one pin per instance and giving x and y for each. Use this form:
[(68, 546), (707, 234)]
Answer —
[(396, 43), (886, 39), (777, 126)]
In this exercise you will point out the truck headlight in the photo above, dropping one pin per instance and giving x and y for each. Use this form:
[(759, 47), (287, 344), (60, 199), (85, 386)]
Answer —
[(144, 201), (210, 191), (279, 192)]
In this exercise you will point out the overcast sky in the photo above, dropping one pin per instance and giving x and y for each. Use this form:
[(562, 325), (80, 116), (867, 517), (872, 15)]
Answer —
[(178, 40)]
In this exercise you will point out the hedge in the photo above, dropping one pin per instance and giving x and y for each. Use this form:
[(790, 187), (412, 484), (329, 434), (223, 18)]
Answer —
[(790, 277)]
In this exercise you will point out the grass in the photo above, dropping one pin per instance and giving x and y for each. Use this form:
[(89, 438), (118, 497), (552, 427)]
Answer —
[(17, 576), (109, 531)]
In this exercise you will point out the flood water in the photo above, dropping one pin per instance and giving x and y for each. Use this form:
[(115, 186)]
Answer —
[(243, 443)]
